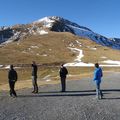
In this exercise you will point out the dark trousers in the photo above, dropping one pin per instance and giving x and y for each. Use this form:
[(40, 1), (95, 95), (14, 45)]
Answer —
[(63, 83), (34, 82), (12, 86)]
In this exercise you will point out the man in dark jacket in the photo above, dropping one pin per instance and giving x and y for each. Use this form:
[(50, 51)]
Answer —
[(12, 76), (34, 77), (63, 72)]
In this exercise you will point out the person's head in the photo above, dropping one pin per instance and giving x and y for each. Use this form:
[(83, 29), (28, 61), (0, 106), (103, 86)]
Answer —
[(96, 65), (11, 66), (62, 65)]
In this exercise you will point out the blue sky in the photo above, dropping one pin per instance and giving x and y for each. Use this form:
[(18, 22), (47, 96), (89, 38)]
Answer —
[(101, 16)]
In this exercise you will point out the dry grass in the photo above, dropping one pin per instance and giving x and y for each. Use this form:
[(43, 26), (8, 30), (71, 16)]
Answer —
[(50, 73), (53, 49), (52, 45)]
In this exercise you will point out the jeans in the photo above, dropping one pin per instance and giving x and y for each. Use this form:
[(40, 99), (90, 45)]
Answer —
[(98, 90), (34, 82)]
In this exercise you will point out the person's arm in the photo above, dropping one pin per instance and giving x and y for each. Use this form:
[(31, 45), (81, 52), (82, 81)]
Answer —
[(60, 72), (101, 73), (95, 75), (9, 74), (16, 76), (66, 71)]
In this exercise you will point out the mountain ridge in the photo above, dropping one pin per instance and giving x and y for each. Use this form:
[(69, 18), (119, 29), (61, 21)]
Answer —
[(57, 24)]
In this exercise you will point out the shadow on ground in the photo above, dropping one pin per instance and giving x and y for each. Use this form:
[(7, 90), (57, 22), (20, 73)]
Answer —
[(72, 93)]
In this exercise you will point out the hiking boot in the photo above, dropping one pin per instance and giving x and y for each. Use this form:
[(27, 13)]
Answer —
[(33, 91), (36, 92)]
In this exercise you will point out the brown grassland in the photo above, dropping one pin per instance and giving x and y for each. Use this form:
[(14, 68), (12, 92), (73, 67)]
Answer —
[(50, 73), (52, 50)]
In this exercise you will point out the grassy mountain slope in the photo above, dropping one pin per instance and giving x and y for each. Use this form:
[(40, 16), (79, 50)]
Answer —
[(53, 48)]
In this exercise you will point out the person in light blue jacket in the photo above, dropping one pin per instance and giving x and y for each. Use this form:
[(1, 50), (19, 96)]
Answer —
[(97, 79)]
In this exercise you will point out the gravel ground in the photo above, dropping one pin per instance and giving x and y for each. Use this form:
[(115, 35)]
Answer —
[(77, 103)]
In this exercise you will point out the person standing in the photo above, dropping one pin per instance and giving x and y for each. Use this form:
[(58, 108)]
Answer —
[(63, 72), (34, 77), (97, 79), (12, 76)]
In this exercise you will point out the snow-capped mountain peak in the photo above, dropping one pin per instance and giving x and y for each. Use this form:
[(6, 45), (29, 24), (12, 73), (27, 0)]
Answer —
[(57, 24), (47, 21), (44, 20)]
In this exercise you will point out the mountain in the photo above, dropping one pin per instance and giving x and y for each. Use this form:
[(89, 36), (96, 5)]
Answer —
[(57, 24), (55, 48)]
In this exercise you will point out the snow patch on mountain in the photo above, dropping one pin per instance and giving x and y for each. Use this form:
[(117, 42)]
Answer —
[(93, 48), (47, 22), (71, 45), (111, 62), (34, 47), (7, 67), (43, 32), (103, 57), (78, 43), (45, 19), (1, 66), (45, 55)]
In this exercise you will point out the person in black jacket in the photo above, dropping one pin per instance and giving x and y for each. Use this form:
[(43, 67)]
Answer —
[(12, 76), (63, 72), (34, 77)]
